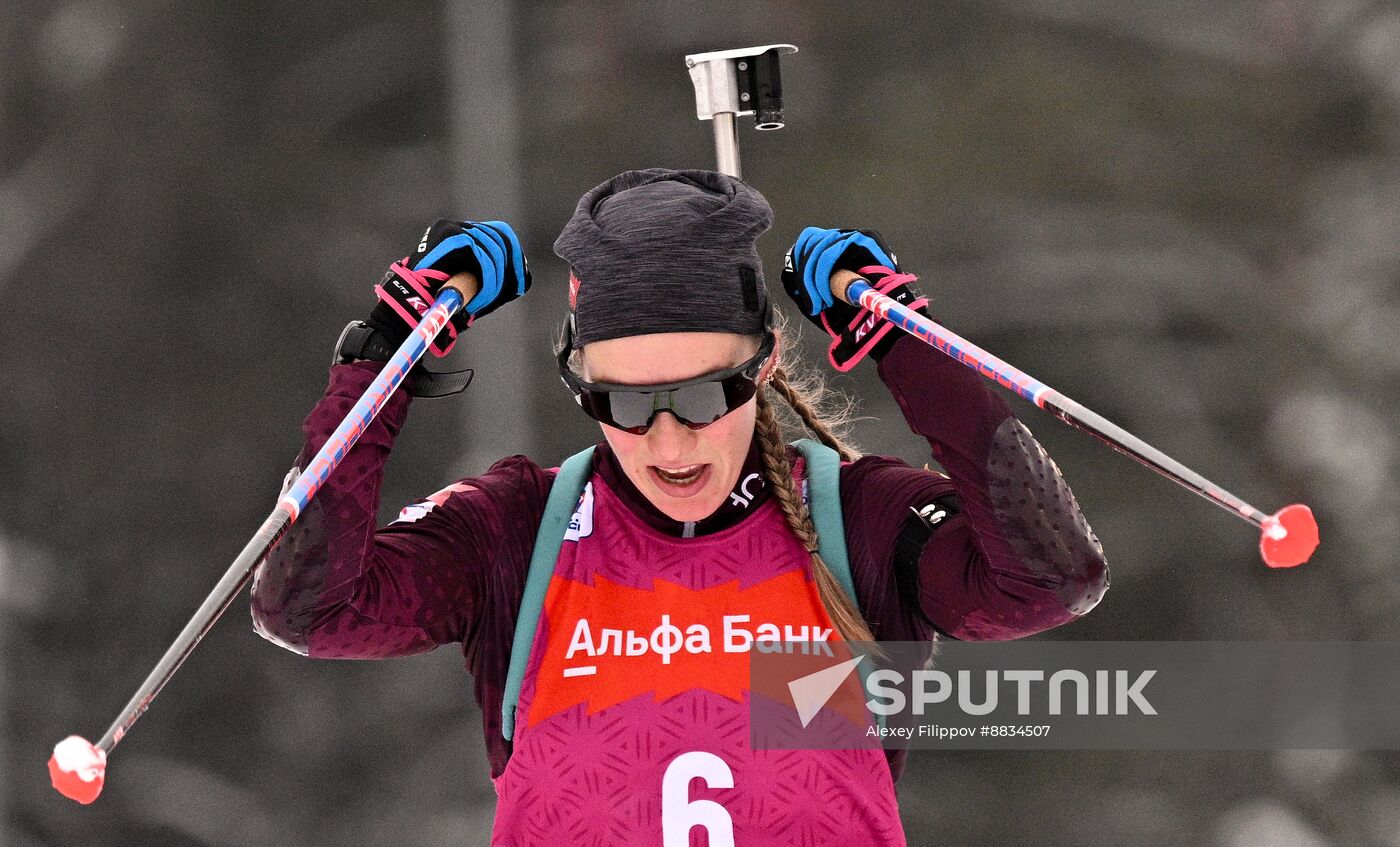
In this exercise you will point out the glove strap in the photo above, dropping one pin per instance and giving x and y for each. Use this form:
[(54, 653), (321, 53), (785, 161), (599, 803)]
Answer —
[(362, 342), (866, 330), (409, 294)]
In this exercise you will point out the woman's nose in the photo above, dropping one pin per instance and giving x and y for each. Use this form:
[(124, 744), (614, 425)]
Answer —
[(669, 439)]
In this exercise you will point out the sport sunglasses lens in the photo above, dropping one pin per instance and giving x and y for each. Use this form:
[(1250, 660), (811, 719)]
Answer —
[(599, 406), (630, 410), (696, 406), (701, 405)]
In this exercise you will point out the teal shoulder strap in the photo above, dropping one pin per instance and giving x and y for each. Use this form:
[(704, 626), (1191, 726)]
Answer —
[(558, 510), (823, 472)]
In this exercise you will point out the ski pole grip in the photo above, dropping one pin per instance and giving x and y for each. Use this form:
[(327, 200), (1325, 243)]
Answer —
[(465, 284), (841, 281)]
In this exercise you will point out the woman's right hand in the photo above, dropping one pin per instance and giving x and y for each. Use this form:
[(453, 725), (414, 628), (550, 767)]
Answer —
[(487, 252)]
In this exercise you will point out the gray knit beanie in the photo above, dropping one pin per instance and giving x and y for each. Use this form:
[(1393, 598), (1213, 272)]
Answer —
[(661, 250)]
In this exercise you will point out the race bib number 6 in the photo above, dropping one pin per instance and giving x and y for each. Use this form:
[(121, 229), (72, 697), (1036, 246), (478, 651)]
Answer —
[(679, 813)]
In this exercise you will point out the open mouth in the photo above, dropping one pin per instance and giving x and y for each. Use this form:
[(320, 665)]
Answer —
[(681, 481)]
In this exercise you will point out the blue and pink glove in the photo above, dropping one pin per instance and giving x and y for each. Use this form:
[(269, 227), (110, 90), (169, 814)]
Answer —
[(489, 250), (855, 332)]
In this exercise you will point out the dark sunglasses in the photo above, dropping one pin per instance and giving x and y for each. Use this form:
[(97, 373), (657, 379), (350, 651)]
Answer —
[(697, 402)]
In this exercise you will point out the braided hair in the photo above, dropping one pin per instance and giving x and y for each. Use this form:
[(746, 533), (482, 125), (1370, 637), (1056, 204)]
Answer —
[(802, 397)]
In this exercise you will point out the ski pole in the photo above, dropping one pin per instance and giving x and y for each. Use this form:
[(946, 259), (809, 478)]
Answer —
[(729, 83), (78, 767), (1287, 538)]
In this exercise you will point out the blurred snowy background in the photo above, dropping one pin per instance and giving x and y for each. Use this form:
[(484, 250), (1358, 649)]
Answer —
[(1185, 215)]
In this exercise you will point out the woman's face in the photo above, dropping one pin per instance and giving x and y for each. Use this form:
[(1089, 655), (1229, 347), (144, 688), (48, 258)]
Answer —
[(686, 473)]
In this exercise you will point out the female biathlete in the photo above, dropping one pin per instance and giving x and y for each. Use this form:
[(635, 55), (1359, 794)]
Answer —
[(690, 519)]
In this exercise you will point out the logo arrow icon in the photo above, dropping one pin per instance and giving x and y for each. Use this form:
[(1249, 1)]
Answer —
[(810, 692)]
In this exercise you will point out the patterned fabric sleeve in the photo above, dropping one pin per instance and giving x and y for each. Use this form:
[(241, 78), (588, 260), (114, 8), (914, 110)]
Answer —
[(337, 587), (1010, 555)]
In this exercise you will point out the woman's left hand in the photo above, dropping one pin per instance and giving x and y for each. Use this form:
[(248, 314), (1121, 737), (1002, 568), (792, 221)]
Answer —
[(808, 269)]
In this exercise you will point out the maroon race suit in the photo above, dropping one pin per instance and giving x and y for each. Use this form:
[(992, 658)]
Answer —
[(1002, 548)]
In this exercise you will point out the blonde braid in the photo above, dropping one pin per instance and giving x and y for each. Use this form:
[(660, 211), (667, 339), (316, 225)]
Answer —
[(778, 472)]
